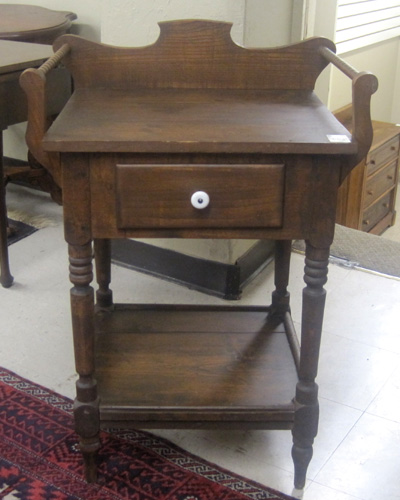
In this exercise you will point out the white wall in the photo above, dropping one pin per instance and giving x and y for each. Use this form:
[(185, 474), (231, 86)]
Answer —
[(268, 23), (396, 93), (134, 22)]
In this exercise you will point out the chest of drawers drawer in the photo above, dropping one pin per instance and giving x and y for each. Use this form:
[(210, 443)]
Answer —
[(377, 184), (376, 212), (200, 196), (382, 155)]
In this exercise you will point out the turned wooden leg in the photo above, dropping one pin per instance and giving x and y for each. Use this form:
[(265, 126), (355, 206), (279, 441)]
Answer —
[(102, 254), (6, 278), (87, 424), (307, 410), (86, 407), (280, 296)]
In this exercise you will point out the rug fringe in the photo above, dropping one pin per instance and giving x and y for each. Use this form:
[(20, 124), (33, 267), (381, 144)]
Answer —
[(37, 221)]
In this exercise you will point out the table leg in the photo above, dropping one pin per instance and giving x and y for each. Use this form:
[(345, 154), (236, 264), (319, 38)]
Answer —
[(102, 254), (280, 296), (86, 407), (307, 409), (6, 279)]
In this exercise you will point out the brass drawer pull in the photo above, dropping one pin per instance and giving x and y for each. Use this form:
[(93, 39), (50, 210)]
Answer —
[(200, 200)]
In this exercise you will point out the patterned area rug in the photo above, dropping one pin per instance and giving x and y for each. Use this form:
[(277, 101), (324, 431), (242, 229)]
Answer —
[(40, 460)]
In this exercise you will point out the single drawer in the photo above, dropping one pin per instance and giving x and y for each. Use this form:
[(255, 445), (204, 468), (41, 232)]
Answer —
[(199, 196), (378, 157), (381, 182), (377, 211)]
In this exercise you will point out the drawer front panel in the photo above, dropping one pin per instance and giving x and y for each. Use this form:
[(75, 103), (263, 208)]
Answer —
[(380, 183), (199, 196), (380, 156), (377, 211)]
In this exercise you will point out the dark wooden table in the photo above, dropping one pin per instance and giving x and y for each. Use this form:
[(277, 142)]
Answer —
[(23, 23), (30, 23), (14, 58), (194, 137)]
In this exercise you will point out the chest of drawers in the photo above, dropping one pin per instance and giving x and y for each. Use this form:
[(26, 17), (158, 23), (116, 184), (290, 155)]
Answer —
[(194, 137), (367, 198)]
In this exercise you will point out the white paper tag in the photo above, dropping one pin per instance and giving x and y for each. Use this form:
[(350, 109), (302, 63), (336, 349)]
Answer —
[(338, 138)]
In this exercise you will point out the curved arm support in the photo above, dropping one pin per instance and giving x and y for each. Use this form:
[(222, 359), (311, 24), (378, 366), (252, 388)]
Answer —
[(364, 84), (33, 82)]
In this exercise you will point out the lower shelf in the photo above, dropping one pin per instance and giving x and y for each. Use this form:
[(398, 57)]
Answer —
[(185, 366)]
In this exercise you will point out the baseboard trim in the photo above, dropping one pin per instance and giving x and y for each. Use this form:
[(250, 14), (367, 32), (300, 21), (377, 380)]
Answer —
[(211, 277), (14, 162)]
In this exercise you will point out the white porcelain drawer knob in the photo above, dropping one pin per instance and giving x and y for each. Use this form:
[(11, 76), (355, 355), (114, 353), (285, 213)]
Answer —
[(200, 200)]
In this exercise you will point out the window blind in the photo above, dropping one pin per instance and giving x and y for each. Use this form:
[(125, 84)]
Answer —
[(364, 22)]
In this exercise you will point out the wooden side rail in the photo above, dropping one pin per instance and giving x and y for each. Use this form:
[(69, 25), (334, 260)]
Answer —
[(364, 84), (33, 81), (55, 59)]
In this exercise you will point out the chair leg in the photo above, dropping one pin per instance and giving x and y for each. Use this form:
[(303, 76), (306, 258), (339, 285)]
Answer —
[(6, 278)]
